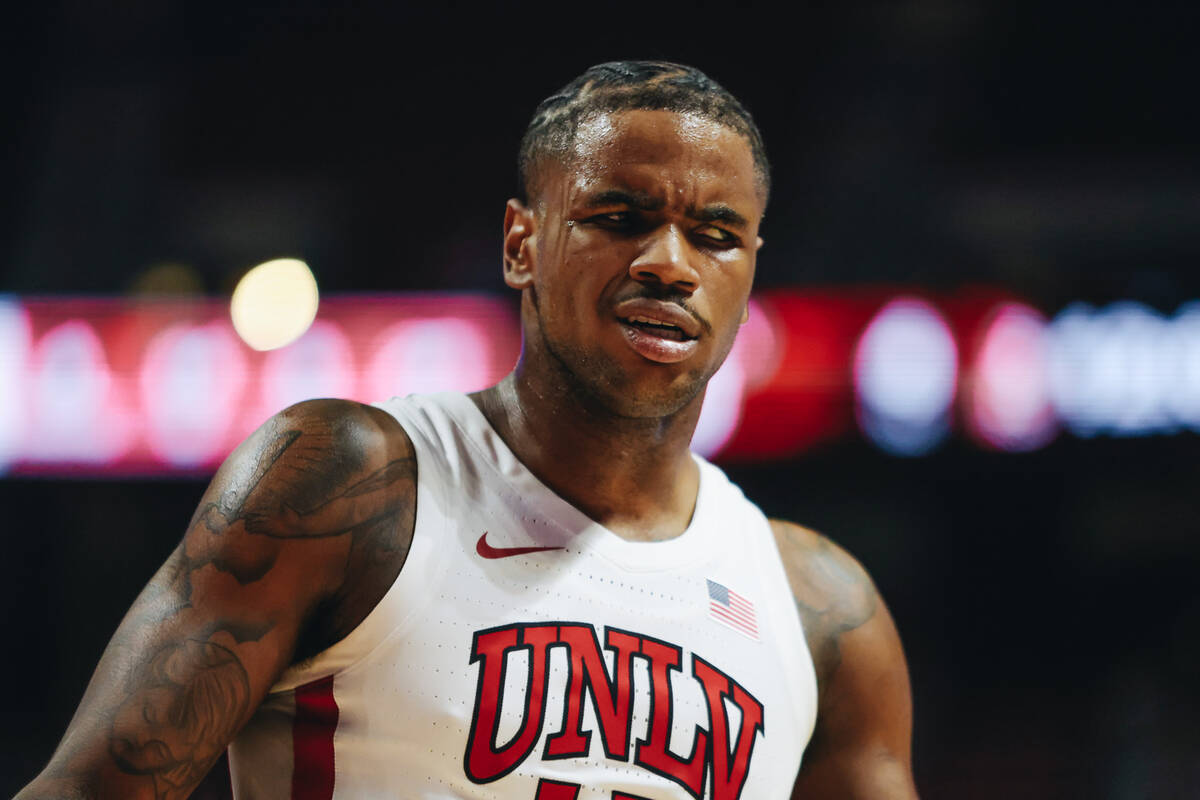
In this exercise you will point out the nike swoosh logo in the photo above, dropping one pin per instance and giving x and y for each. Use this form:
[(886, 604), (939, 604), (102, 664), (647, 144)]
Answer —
[(487, 551)]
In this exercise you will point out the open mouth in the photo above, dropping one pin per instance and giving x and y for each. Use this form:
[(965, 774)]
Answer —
[(663, 330)]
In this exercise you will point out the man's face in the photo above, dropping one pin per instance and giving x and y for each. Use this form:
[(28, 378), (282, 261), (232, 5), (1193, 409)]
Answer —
[(638, 255)]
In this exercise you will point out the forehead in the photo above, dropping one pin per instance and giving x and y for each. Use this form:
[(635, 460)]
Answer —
[(662, 151)]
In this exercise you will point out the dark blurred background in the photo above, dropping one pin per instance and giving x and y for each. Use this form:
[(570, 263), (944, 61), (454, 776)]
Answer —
[(1047, 600)]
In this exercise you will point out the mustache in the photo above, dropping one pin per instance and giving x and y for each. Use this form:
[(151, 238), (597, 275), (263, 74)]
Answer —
[(663, 294)]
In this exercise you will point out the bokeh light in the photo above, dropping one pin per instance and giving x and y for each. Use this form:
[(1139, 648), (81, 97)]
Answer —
[(1008, 400), (430, 355), (191, 385), (74, 419), (1184, 402), (14, 353), (905, 374), (722, 410), (318, 364), (274, 303), (1112, 370)]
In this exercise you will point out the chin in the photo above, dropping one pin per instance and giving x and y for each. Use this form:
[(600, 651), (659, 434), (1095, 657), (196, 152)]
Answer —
[(635, 390), (652, 396)]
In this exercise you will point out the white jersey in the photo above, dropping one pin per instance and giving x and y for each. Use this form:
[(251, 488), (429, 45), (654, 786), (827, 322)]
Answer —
[(527, 652)]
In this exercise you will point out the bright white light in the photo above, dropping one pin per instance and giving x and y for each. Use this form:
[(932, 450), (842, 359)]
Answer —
[(906, 373), (1183, 403), (1072, 378), (1009, 403), (430, 355), (74, 420), (1112, 371), (1136, 348), (191, 385), (758, 346), (752, 361), (318, 364), (14, 354), (274, 303), (722, 409)]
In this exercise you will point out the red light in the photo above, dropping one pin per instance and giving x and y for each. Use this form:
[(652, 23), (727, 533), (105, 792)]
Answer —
[(318, 364), (798, 375), (74, 413), (1008, 392), (429, 355), (192, 384)]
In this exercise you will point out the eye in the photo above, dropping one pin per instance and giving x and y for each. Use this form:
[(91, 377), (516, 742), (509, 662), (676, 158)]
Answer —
[(613, 218), (717, 235)]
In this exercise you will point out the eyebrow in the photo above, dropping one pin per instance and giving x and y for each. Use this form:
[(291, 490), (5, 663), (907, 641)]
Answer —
[(638, 200), (717, 212)]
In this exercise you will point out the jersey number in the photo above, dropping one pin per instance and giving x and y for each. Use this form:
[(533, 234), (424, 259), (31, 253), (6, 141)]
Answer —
[(557, 790)]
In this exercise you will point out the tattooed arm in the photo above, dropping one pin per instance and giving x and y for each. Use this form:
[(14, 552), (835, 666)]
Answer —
[(299, 535), (861, 748)]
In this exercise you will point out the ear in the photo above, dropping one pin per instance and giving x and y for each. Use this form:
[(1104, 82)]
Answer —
[(518, 245)]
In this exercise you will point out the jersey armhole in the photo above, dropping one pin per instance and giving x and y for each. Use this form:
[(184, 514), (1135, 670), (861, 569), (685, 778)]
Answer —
[(411, 589)]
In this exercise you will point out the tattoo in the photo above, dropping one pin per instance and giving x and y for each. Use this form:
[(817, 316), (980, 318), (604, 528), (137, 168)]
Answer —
[(362, 502), (179, 709), (284, 511), (834, 596), (216, 516), (175, 725)]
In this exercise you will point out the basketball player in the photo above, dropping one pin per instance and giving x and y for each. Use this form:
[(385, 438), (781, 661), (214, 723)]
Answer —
[(534, 592)]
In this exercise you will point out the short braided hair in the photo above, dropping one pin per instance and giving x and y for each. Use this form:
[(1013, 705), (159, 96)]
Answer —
[(627, 86)]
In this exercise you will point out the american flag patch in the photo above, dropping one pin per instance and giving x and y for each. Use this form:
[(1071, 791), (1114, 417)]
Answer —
[(731, 609)]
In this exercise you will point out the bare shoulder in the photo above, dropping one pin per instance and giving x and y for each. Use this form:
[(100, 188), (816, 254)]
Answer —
[(310, 516), (818, 567), (833, 592), (861, 746), (301, 532), (325, 440), (306, 453), (329, 469)]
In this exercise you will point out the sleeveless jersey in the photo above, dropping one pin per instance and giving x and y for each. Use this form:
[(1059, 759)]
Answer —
[(526, 652)]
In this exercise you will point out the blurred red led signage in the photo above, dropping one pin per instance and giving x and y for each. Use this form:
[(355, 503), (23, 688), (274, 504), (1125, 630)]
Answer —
[(111, 387)]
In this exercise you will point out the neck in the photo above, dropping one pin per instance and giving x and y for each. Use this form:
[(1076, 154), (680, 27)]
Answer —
[(634, 476)]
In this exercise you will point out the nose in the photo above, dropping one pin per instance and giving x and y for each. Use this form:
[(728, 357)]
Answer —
[(666, 260)]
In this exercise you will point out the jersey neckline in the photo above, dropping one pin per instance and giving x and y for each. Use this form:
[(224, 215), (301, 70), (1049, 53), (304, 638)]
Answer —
[(696, 543)]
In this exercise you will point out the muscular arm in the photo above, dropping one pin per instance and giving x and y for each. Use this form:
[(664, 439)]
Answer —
[(861, 748), (298, 536)]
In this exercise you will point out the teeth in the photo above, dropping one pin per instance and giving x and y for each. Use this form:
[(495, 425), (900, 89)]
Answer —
[(658, 328), (648, 321)]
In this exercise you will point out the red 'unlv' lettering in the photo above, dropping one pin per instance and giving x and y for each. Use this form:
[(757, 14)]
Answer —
[(715, 760), (612, 700), (484, 761), (652, 753), (729, 770)]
